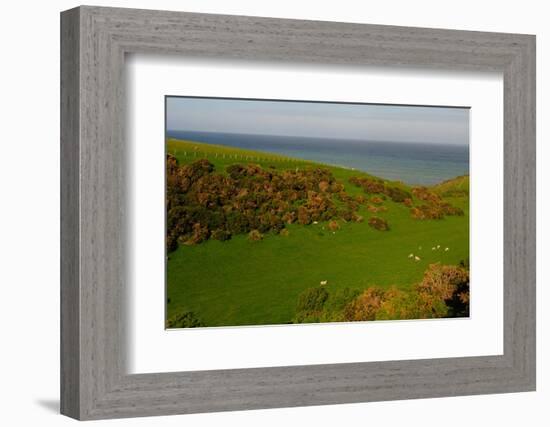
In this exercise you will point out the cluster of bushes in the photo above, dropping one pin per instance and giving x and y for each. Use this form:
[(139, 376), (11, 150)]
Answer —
[(443, 292), (378, 186), (369, 185), (202, 204), (424, 194), (318, 305), (433, 207), (435, 211)]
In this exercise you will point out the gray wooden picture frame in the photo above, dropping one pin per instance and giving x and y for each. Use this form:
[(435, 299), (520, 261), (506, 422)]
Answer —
[(94, 381)]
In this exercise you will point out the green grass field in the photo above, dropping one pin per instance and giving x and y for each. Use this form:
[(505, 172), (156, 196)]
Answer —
[(239, 282)]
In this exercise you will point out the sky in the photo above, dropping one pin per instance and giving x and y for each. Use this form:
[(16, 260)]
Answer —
[(435, 125)]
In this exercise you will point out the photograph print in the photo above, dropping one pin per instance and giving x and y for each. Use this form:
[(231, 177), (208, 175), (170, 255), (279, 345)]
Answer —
[(293, 212)]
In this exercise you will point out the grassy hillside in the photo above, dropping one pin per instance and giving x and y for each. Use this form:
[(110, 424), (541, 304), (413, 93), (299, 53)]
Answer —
[(239, 282), (459, 186)]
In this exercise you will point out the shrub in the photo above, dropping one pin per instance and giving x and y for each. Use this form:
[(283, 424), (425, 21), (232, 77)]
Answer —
[(365, 306), (171, 242), (236, 222), (379, 223), (199, 234), (448, 209), (352, 205), (329, 213), (423, 193), (347, 215), (255, 236), (187, 319), (369, 185), (289, 217), (221, 235), (333, 309), (324, 186), (434, 207), (357, 218), (397, 194), (399, 305), (304, 217), (361, 199), (416, 213), (459, 303), (444, 291), (427, 212), (333, 225), (201, 204), (336, 187), (312, 299), (376, 200), (236, 171), (377, 186), (376, 209), (310, 305)]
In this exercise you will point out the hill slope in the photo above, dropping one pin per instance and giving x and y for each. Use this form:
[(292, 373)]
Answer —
[(238, 282), (459, 186)]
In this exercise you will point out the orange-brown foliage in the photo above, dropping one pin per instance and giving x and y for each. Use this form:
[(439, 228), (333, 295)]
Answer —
[(365, 306), (379, 223), (247, 198), (333, 225), (376, 200)]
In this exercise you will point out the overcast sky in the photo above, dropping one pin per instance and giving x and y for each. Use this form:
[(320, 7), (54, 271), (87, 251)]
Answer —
[(439, 125)]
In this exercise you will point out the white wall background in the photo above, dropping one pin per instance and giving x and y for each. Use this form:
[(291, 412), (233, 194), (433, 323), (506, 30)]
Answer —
[(29, 214)]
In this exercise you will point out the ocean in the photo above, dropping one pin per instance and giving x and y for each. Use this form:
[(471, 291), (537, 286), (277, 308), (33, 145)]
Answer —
[(412, 163)]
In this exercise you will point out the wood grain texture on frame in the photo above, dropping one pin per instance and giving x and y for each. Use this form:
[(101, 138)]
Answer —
[(94, 380)]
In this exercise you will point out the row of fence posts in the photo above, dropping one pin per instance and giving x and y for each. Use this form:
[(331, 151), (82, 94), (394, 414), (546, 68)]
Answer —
[(236, 157)]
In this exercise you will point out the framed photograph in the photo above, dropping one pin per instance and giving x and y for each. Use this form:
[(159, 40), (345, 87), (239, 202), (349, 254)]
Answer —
[(262, 213), (299, 184)]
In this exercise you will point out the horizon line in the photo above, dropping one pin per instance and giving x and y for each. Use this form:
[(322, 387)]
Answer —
[(320, 137)]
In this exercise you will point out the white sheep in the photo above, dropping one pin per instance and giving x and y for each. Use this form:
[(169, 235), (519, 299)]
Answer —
[(433, 249), (417, 258), (411, 255), (438, 246), (446, 249), (324, 282)]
